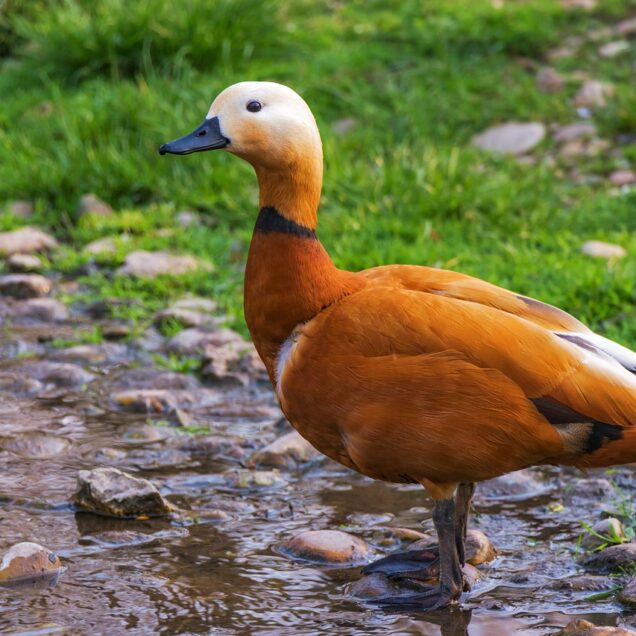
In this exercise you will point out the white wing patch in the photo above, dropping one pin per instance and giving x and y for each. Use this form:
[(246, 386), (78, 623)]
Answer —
[(600, 345), (284, 353)]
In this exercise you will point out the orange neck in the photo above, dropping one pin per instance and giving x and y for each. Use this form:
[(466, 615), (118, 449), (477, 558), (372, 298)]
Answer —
[(289, 279), (294, 189)]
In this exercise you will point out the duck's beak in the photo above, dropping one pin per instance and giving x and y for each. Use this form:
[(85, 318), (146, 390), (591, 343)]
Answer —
[(206, 137)]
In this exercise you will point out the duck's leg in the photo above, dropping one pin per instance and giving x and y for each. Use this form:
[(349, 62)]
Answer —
[(451, 577), (424, 564), (463, 500)]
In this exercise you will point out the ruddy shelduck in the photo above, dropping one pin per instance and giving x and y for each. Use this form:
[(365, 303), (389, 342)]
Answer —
[(409, 373)]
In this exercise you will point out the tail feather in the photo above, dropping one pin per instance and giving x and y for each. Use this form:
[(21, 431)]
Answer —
[(612, 453)]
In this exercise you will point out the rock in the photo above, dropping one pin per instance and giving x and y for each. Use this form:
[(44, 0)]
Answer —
[(27, 561), (519, 485), (187, 218), (151, 400), (600, 249), (287, 452), (233, 363), (23, 263), (594, 94), (584, 583), (479, 548), (111, 492), (511, 138), (194, 303), (613, 49), (20, 208), (183, 317), (105, 245), (577, 130), (328, 547), (24, 285), (242, 479), (622, 177), (626, 27), (627, 596), (92, 204), (344, 125), (580, 627), (549, 80), (116, 330), (57, 373), (378, 586), (195, 341), (40, 309), (613, 558), (93, 354), (25, 241), (586, 5), (144, 264), (606, 531), (149, 378), (36, 445)]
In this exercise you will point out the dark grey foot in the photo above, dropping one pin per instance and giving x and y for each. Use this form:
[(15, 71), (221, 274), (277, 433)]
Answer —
[(427, 599), (421, 565)]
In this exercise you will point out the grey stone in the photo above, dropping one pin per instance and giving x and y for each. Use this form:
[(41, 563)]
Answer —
[(549, 80), (608, 530), (194, 341), (577, 130), (57, 373), (600, 249), (252, 480), (594, 94), (512, 138), (187, 218), (143, 264), (623, 177), (613, 49), (627, 596), (24, 285), (613, 558), (20, 208), (23, 263), (287, 452), (104, 245), (25, 241), (111, 492), (40, 309), (35, 445), (92, 204)]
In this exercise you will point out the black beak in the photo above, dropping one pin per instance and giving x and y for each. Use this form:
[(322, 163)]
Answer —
[(206, 137)]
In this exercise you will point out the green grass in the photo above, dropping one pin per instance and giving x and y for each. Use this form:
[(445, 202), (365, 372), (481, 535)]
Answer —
[(92, 87)]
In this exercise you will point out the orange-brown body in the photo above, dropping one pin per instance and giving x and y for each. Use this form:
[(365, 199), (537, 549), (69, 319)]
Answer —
[(409, 373)]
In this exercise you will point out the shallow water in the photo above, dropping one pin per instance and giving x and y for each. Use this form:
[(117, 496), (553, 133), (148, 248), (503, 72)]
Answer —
[(205, 576)]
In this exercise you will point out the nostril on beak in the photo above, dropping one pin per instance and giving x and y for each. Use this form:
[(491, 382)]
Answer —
[(202, 133)]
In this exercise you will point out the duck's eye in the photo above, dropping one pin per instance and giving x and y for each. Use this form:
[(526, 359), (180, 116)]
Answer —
[(254, 106)]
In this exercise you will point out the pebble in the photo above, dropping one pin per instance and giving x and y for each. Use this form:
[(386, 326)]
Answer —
[(18, 262), (20, 208), (149, 378), (626, 27), (194, 341), (93, 354), (577, 130), (611, 528), (143, 264), (521, 484), (622, 177), (586, 5), (584, 583), (612, 558), (512, 138), (187, 218), (600, 249), (479, 548), (549, 80), (104, 245), (183, 317), (594, 94), (60, 374), (40, 309), (28, 561), (613, 49), (111, 492), (243, 479), (232, 363), (580, 627), (24, 285), (627, 596), (92, 204), (152, 400), (287, 452), (328, 547), (25, 241), (36, 445)]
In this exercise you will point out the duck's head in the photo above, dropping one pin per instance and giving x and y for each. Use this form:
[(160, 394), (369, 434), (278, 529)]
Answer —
[(270, 126), (262, 122)]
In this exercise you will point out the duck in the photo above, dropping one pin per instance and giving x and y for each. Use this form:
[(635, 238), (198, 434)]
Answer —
[(408, 373)]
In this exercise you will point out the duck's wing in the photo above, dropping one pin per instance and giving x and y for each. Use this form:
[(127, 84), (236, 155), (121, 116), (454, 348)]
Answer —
[(470, 289), (587, 398)]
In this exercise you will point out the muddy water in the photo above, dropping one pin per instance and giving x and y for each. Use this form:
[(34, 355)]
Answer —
[(217, 570)]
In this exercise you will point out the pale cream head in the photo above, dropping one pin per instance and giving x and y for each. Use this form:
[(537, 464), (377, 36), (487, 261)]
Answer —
[(279, 134)]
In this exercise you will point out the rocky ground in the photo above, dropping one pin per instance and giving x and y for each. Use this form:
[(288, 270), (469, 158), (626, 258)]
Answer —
[(156, 469)]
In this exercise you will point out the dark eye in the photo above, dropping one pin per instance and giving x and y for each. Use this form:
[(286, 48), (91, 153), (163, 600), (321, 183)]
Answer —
[(254, 106)]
